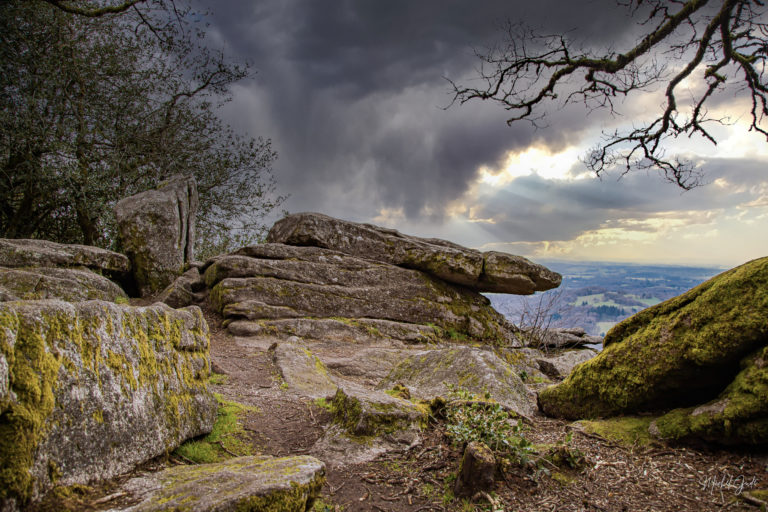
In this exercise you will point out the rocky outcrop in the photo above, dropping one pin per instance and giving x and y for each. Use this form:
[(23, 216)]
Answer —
[(558, 338), (683, 353), (67, 284), (434, 373), (274, 282), (482, 272), (287, 484), (15, 253), (559, 366), (157, 230), (90, 389)]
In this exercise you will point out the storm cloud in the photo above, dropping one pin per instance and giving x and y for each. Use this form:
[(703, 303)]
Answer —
[(353, 94)]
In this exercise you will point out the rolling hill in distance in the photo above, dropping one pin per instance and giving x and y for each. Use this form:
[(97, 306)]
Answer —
[(597, 295)]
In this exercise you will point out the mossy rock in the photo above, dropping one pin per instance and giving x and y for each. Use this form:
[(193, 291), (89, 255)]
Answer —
[(364, 413), (258, 483), (90, 389), (739, 415), (680, 353), (68, 284)]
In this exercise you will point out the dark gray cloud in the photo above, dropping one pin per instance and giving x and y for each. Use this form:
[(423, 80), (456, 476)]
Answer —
[(352, 93)]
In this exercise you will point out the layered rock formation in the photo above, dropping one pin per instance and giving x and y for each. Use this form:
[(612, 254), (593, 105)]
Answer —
[(704, 351), (90, 389), (270, 283), (157, 230), (38, 269), (481, 272)]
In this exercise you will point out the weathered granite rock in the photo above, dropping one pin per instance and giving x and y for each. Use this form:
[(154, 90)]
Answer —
[(93, 388), (489, 272), (557, 338), (682, 352), (302, 371), (67, 284), (268, 484), (16, 253), (157, 229), (274, 281), (364, 412), (429, 374), (561, 365), (185, 290), (358, 330)]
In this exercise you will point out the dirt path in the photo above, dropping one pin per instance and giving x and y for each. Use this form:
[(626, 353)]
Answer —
[(609, 477)]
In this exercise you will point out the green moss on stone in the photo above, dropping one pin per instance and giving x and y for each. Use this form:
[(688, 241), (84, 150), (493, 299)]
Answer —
[(738, 415), (626, 430), (685, 348), (33, 376)]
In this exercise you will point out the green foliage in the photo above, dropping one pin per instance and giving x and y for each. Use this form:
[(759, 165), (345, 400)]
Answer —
[(96, 109), (486, 422)]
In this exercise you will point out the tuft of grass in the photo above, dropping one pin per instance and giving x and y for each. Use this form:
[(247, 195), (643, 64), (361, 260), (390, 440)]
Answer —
[(218, 379), (228, 436)]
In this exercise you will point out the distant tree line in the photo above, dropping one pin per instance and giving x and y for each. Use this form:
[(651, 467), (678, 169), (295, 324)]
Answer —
[(97, 106)]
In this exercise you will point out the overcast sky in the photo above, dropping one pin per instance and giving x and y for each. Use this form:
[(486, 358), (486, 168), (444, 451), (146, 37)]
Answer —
[(353, 95)]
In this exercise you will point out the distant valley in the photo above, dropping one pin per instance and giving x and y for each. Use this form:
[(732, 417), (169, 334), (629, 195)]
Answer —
[(597, 295)]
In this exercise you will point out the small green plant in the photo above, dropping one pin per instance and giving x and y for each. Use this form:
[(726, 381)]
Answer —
[(469, 418), (564, 454), (122, 300), (323, 403)]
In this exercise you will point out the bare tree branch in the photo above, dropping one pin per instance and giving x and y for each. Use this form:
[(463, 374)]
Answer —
[(709, 44)]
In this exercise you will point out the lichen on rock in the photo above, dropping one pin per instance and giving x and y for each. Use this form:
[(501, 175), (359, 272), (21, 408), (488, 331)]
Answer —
[(94, 388), (257, 483)]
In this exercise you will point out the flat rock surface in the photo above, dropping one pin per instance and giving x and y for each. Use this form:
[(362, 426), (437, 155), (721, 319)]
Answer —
[(301, 370), (42, 253), (258, 483), (483, 272)]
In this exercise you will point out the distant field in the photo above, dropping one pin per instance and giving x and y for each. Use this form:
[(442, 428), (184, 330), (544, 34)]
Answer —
[(596, 296)]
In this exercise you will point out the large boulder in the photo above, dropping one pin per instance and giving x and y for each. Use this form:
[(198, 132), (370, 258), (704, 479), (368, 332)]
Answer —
[(157, 230), (275, 281), (26, 253), (88, 390), (683, 353), (434, 373), (263, 483), (67, 284), (482, 272)]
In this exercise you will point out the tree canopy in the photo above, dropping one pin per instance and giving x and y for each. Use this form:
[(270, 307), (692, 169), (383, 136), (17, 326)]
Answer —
[(96, 106), (693, 50)]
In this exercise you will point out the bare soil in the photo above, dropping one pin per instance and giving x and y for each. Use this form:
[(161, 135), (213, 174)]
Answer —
[(611, 477)]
